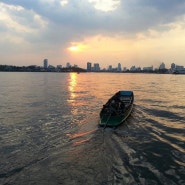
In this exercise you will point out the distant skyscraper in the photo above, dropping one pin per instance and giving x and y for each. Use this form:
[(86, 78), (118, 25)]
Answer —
[(68, 65), (89, 66), (96, 67), (119, 67), (162, 66), (172, 66), (45, 63), (110, 68)]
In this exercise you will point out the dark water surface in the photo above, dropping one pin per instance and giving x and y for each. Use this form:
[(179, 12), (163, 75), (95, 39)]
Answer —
[(49, 133)]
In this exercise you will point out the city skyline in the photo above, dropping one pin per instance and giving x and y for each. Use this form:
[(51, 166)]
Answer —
[(94, 67), (162, 67), (97, 67), (107, 32)]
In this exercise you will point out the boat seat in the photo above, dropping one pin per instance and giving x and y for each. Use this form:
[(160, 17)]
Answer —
[(126, 101)]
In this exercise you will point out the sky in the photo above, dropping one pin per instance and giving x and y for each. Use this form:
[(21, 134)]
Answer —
[(139, 33)]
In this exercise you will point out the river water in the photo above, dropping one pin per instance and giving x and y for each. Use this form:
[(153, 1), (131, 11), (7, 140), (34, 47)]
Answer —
[(49, 132)]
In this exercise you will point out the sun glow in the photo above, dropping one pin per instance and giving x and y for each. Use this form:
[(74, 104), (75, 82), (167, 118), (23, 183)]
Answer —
[(77, 47), (73, 48)]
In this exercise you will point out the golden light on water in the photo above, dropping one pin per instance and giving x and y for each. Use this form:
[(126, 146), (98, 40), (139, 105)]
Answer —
[(72, 84), (81, 137)]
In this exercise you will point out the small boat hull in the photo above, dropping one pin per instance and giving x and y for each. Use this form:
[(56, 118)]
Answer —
[(114, 116)]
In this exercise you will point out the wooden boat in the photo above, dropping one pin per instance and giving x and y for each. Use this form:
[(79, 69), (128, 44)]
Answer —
[(117, 109)]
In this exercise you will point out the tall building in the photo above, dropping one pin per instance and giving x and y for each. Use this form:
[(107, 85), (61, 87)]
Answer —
[(173, 66), (96, 67), (110, 68), (45, 63), (119, 67), (162, 66), (68, 65), (89, 66)]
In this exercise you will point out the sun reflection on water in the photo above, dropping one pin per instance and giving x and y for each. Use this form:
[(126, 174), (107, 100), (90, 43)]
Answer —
[(72, 85), (81, 137)]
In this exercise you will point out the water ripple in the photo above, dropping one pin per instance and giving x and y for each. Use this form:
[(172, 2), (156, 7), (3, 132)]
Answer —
[(49, 133)]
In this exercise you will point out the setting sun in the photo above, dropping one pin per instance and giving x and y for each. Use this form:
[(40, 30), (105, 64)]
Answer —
[(73, 48), (77, 47)]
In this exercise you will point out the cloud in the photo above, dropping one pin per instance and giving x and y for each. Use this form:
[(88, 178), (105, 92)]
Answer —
[(45, 25), (19, 21), (90, 17), (105, 5)]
